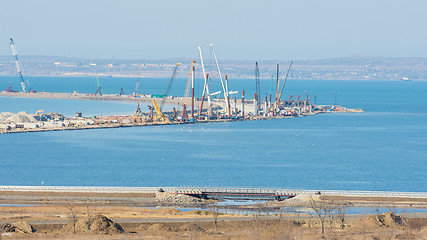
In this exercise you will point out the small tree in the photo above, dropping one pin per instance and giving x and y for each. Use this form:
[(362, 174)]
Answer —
[(341, 210), (321, 208), (73, 213), (215, 217), (89, 213)]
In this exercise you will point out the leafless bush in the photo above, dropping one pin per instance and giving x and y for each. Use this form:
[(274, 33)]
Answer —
[(321, 208), (73, 214)]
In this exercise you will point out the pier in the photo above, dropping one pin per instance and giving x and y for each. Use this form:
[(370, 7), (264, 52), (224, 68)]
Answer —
[(223, 192)]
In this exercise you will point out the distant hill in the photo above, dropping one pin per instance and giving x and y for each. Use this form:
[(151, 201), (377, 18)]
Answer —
[(345, 68)]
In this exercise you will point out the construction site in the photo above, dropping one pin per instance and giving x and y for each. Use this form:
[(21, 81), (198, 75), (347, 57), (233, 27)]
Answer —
[(218, 106)]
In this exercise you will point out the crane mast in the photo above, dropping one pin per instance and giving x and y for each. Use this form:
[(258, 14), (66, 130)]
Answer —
[(18, 65), (205, 86), (224, 87), (189, 80), (258, 90), (169, 85), (284, 82)]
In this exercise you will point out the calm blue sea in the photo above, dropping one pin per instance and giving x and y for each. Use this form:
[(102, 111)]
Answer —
[(384, 148)]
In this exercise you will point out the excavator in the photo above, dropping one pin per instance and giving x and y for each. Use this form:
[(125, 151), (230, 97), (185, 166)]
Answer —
[(40, 113)]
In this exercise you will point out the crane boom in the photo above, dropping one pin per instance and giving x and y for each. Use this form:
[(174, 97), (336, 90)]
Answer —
[(169, 85), (284, 82), (159, 112), (224, 87), (18, 65), (205, 86)]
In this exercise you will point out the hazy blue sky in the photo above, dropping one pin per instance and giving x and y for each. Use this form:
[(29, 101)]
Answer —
[(240, 29)]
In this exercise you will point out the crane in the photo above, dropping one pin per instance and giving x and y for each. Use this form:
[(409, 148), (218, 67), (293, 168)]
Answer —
[(205, 86), (136, 87), (99, 86), (159, 112), (18, 65), (224, 87), (169, 85), (279, 93), (284, 82), (257, 85)]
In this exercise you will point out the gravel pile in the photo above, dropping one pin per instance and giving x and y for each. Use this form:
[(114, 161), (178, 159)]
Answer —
[(18, 227), (175, 198), (99, 225), (21, 117)]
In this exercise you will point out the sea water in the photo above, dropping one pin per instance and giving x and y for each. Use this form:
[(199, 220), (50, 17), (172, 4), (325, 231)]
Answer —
[(384, 148)]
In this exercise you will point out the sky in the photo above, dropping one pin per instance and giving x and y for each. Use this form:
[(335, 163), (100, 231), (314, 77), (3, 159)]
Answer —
[(239, 29)]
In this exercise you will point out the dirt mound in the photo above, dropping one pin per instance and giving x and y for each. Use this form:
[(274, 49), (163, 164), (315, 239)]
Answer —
[(159, 227), (175, 198), (388, 219), (19, 227), (101, 224), (192, 227)]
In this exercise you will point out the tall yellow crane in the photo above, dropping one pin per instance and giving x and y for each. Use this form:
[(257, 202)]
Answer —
[(279, 93), (160, 113)]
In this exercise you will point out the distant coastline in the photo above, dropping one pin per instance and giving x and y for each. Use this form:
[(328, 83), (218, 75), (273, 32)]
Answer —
[(346, 68)]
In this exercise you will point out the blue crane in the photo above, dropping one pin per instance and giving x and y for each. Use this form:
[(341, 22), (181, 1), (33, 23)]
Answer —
[(18, 65)]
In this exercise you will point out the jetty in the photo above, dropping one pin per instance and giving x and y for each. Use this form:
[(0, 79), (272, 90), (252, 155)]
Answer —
[(243, 110)]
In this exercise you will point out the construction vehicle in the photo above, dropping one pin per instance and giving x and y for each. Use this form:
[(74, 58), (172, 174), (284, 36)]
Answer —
[(40, 113), (151, 115), (9, 89), (159, 112), (19, 68), (138, 111)]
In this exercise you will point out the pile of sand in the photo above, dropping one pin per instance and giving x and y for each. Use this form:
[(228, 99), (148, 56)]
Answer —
[(175, 198), (192, 227), (388, 219), (100, 224), (159, 227), (18, 227), (21, 117)]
